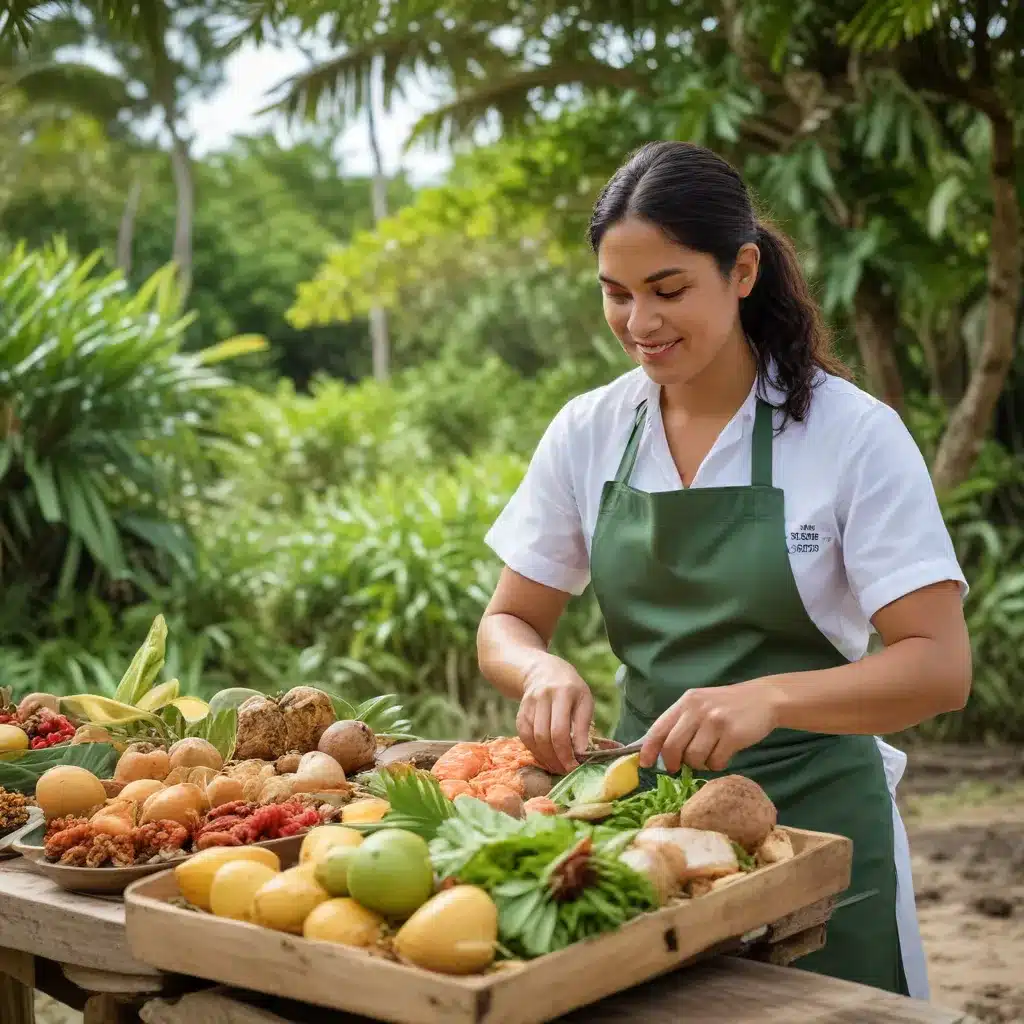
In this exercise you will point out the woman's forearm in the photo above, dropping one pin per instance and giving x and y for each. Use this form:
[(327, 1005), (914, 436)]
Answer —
[(508, 649), (896, 688)]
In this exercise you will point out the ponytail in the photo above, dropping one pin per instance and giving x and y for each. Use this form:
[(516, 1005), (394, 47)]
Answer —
[(784, 325)]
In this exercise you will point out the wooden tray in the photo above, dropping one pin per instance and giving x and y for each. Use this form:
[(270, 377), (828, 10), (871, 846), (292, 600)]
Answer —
[(341, 978), (111, 880)]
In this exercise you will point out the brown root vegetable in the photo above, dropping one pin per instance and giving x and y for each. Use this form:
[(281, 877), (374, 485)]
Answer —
[(288, 764), (195, 753), (35, 702), (114, 788), (307, 714), (262, 733), (141, 790), (183, 804), (777, 847), (662, 820), (142, 761), (224, 790), (536, 782), (352, 744), (318, 772), (733, 805), (276, 790)]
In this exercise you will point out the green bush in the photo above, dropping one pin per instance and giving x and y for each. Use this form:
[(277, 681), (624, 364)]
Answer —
[(101, 423), (382, 588)]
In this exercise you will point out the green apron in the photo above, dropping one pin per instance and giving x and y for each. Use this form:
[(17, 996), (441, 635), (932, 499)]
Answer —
[(696, 589)]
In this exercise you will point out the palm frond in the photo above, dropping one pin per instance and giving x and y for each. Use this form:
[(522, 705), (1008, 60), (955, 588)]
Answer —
[(85, 88), (884, 24), (510, 97), (341, 84)]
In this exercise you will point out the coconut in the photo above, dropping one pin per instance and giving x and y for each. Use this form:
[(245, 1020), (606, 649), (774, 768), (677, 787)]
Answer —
[(733, 805), (262, 733), (307, 713)]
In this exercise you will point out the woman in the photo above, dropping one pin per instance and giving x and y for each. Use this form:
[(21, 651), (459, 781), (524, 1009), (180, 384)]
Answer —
[(746, 516)]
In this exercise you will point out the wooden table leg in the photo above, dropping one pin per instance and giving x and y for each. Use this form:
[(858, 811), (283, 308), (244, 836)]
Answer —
[(17, 1001), (107, 1009), (17, 987)]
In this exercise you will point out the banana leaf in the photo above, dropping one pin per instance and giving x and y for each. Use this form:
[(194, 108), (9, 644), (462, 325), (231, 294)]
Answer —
[(145, 666), (21, 774)]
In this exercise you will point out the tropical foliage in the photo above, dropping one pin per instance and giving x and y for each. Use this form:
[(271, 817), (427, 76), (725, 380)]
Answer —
[(295, 520)]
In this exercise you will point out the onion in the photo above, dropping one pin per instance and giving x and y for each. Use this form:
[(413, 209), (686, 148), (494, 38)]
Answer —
[(142, 761), (182, 803), (195, 753)]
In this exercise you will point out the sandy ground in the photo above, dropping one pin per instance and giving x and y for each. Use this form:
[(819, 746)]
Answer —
[(965, 817), (964, 810)]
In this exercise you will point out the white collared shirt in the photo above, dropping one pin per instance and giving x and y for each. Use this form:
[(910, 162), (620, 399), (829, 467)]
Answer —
[(863, 523)]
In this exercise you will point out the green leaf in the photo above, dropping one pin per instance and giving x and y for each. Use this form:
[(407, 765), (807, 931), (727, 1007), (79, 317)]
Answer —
[(21, 774), (232, 348), (146, 665), (938, 208)]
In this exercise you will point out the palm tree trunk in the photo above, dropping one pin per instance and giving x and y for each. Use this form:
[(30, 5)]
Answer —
[(381, 344), (971, 420), (181, 169), (875, 322), (126, 229)]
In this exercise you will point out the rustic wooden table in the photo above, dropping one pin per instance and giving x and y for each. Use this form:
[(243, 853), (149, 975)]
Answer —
[(74, 948)]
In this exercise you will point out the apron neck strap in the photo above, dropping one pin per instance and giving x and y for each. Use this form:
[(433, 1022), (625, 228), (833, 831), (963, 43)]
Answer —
[(628, 460), (761, 446), (760, 450)]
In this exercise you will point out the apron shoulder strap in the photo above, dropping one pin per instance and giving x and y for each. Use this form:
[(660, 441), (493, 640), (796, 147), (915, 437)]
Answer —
[(761, 446), (628, 460)]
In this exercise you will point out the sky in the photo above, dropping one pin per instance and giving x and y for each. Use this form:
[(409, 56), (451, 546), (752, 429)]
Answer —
[(252, 71)]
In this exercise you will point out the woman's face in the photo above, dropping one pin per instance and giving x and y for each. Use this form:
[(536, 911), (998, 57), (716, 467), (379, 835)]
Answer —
[(669, 306)]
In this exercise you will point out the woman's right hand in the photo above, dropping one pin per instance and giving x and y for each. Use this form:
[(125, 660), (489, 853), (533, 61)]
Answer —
[(556, 709)]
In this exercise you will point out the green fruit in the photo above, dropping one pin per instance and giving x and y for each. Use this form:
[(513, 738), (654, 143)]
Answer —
[(232, 698), (391, 873), (332, 871)]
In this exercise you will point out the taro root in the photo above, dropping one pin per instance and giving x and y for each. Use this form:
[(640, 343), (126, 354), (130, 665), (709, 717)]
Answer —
[(262, 733), (733, 805), (307, 713), (352, 744)]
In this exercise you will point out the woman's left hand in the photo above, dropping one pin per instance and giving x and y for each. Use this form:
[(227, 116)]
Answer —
[(706, 727)]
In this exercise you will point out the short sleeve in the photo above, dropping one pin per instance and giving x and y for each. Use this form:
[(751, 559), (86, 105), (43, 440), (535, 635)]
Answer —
[(539, 533), (894, 538)]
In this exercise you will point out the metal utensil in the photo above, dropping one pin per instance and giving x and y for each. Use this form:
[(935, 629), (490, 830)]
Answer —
[(611, 754)]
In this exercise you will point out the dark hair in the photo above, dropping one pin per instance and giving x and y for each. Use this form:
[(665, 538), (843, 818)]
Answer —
[(698, 200)]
